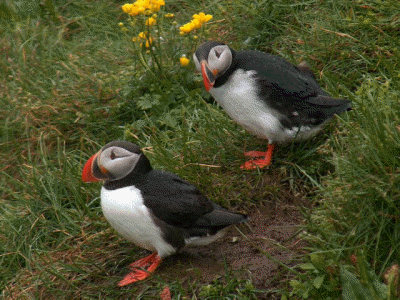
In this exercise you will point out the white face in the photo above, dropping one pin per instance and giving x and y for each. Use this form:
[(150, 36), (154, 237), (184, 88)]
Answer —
[(117, 161), (219, 60)]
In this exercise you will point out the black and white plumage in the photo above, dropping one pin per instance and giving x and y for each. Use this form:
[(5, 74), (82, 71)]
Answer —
[(154, 209), (266, 94)]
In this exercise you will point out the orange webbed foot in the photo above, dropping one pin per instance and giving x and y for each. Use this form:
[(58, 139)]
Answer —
[(259, 163), (152, 261)]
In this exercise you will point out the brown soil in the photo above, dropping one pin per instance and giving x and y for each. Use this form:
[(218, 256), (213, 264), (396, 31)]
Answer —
[(241, 251)]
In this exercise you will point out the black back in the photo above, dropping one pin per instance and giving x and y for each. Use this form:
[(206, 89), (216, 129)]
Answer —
[(291, 90)]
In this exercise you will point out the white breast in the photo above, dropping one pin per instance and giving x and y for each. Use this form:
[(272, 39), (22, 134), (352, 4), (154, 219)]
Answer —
[(238, 97), (125, 211)]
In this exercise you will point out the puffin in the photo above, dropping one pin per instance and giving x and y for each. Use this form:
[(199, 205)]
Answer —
[(267, 95), (154, 209)]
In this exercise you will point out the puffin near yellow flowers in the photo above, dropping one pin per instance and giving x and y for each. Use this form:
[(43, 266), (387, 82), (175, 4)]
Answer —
[(154, 209), (267, 95)]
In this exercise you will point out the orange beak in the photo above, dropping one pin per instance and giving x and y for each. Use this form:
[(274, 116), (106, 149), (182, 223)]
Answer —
[(208, 75), (87, 172)]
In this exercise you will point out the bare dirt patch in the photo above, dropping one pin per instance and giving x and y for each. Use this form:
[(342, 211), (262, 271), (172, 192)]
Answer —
[(241, 250)]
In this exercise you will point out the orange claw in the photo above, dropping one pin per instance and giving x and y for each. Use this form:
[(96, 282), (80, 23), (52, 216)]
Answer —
[(137, 274), (262, 162), (165, 294)]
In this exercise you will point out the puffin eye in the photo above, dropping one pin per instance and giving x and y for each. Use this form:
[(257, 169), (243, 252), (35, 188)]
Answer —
[(217, 54), (112, 155)]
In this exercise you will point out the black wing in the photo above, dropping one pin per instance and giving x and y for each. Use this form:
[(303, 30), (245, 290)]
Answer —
[(280, 75), (179, 203)]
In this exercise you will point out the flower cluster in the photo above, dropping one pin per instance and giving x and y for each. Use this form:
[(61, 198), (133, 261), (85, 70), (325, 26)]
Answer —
[(143, 7), (148, 35), (143, 36), (197, 21), (146, 8)]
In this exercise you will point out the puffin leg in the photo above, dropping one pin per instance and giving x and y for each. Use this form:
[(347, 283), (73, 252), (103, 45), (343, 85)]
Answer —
[(255, 153), (262, 162), (143, 261), (137, 274)]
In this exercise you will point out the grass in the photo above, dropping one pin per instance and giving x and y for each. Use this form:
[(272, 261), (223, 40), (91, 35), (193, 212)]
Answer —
[(69, 83)]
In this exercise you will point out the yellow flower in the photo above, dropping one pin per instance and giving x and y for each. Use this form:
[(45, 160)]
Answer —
[(169, 15), (157, 4), (196, 23), (149, 41), (144, 7), (197, 16), (142, 35), (186, 28), (132, 9), (184, 61), (202, 17), (151, 21), (127, 7), (120, 24)]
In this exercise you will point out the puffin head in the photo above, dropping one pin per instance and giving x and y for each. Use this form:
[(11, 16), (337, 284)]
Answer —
[(114, 161), (212, 59)]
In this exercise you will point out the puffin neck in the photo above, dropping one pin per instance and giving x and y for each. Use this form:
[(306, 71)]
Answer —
[(224, 77), (142, 168)]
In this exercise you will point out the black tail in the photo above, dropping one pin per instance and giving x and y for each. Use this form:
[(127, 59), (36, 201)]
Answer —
[(332, 105)]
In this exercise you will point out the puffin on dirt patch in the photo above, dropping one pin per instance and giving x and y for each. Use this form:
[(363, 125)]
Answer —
[(154, 209), (267, 95)]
